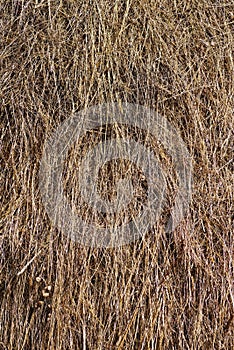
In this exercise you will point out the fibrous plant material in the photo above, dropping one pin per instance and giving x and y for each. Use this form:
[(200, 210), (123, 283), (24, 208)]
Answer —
[(164, 291)]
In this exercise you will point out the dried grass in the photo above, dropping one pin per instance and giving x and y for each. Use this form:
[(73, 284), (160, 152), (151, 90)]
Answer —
[(166, 291)]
